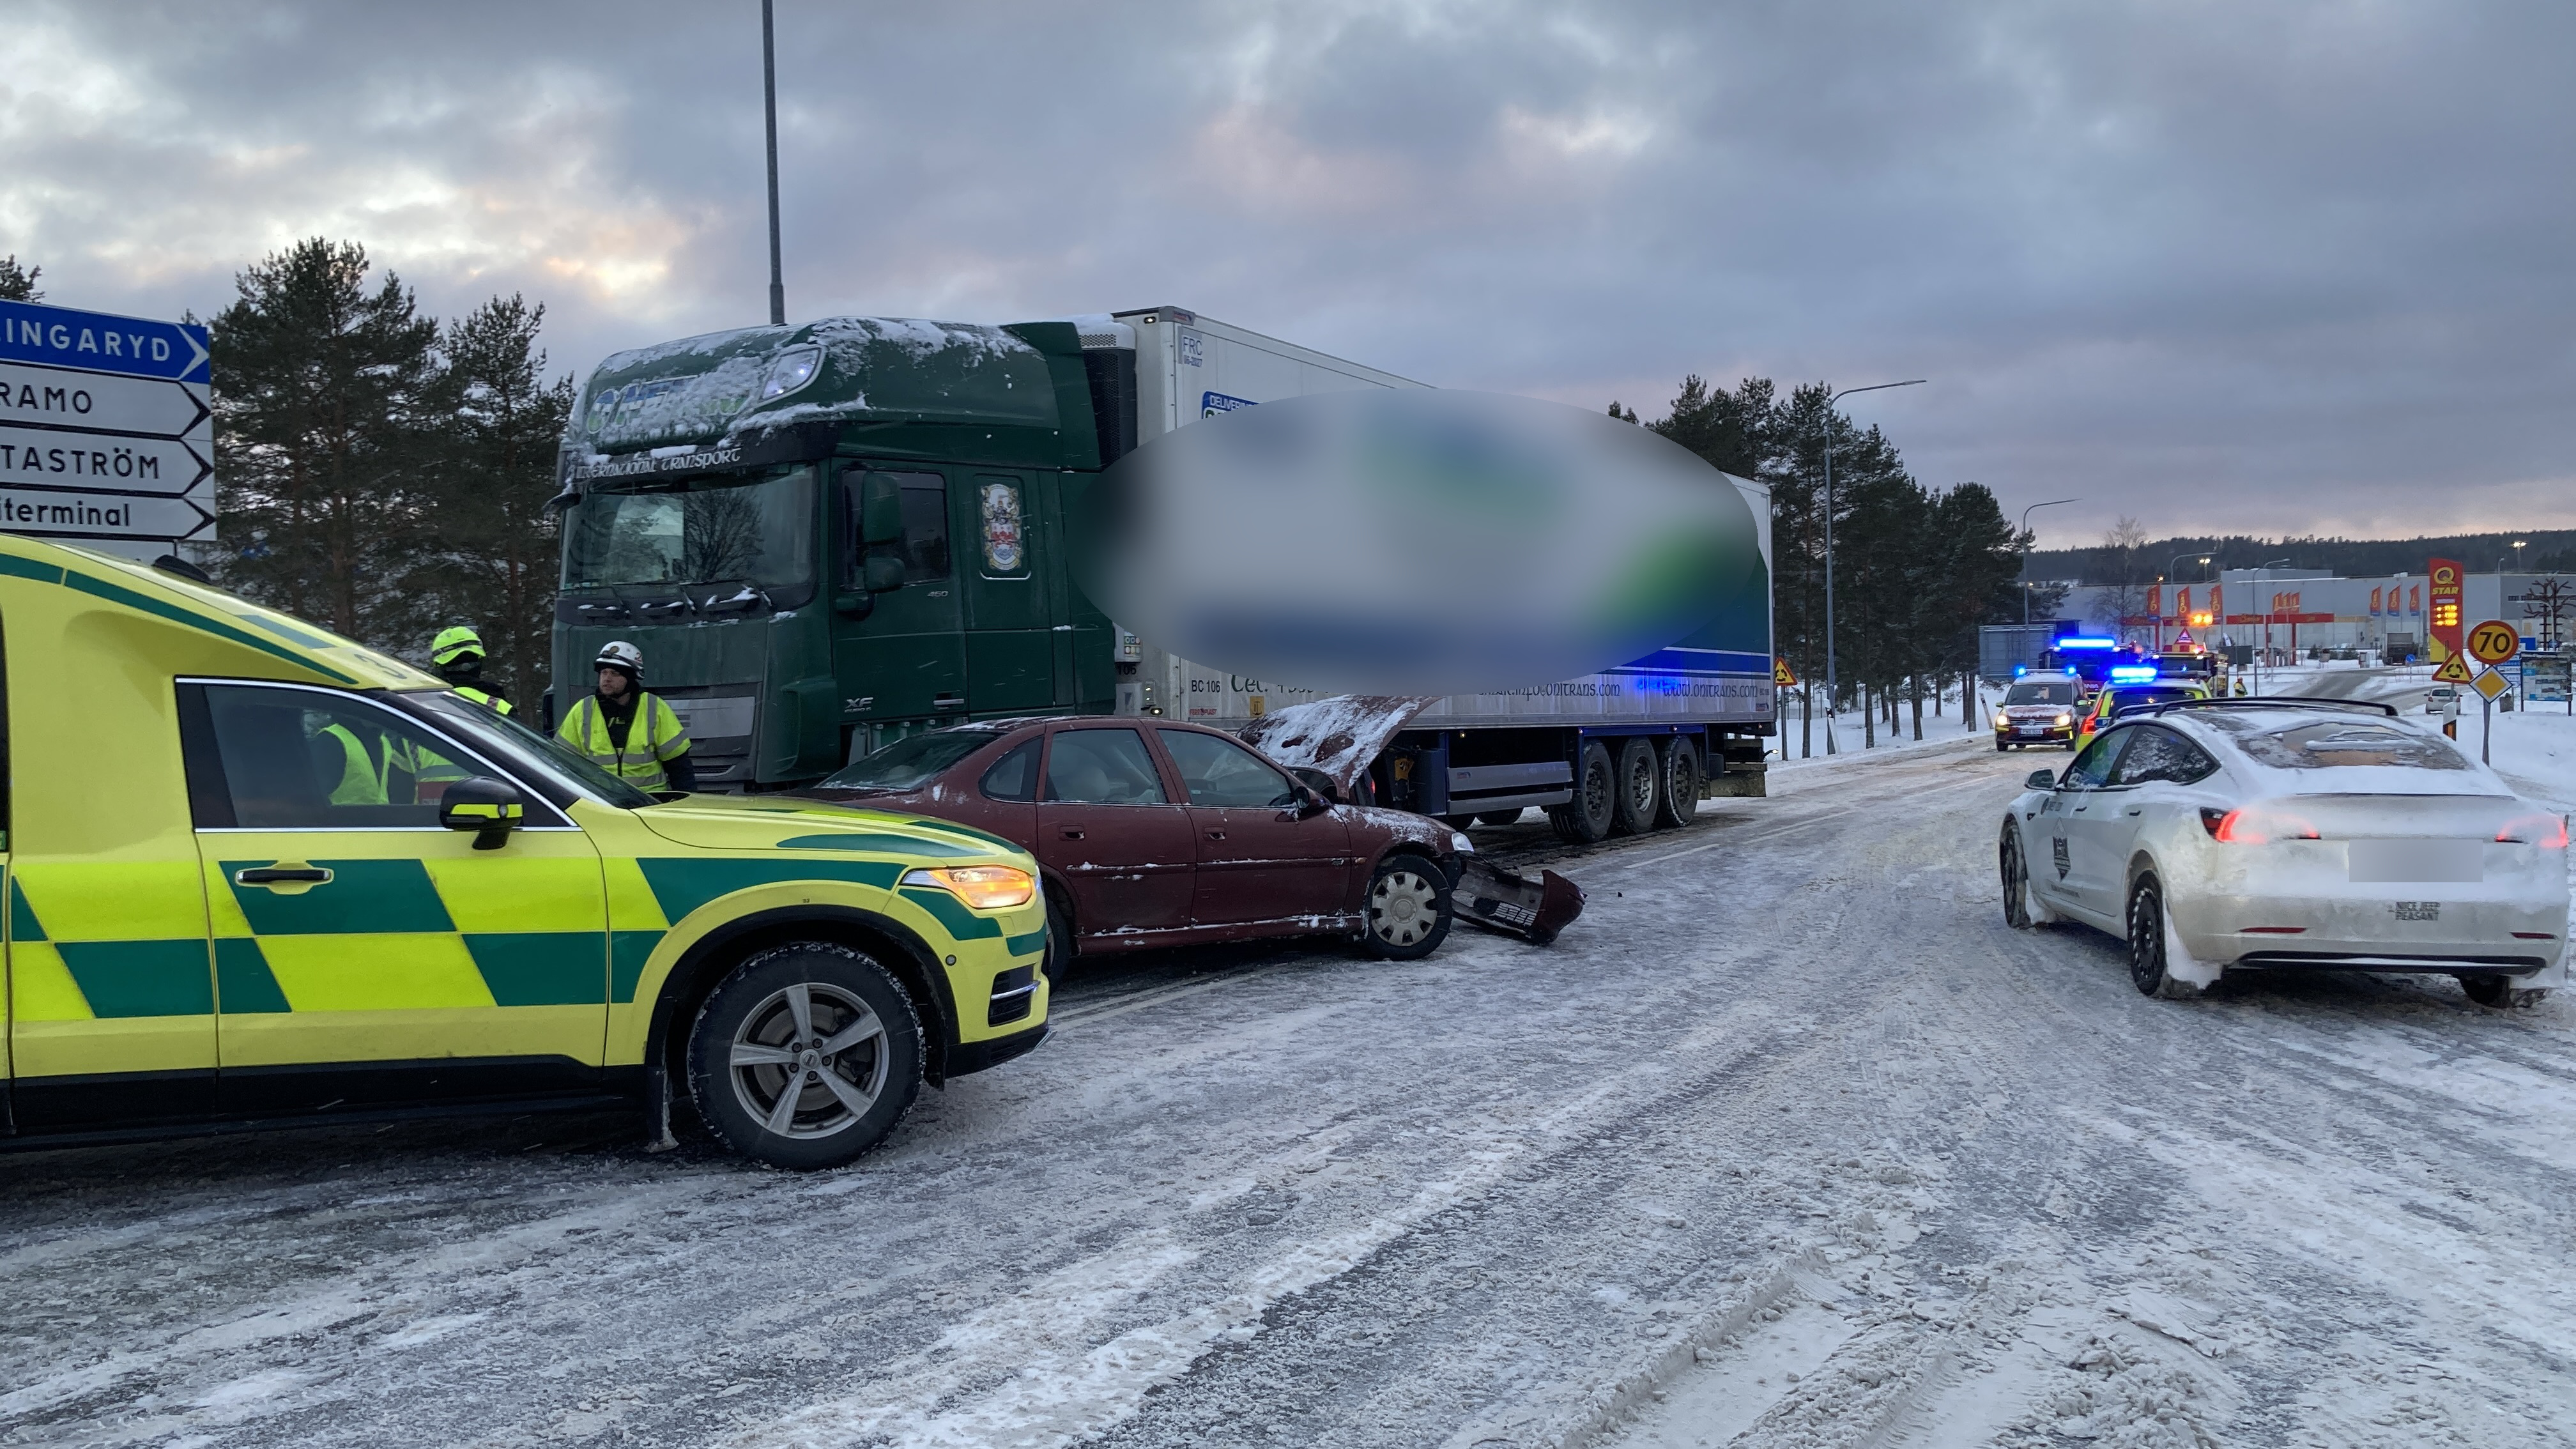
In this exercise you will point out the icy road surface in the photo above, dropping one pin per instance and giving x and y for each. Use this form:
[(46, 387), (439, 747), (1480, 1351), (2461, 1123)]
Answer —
[(1789, 1142)]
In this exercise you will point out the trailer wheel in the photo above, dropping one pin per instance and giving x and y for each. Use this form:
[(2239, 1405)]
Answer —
[(1640, 785), (1678, 792), (1586, 818)]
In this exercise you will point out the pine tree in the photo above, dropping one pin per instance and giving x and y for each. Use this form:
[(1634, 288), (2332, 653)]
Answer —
[(495, 542), (17, 283), (322, 396)]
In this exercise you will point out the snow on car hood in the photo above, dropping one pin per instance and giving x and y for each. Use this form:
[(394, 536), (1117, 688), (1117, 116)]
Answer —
[(1338, 735), (730, 822)]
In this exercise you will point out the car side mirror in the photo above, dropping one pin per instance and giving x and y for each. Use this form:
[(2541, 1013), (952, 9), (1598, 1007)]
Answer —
[(882, 575), (1319, 782), (483, 805), (880, 508), (2041, 780)]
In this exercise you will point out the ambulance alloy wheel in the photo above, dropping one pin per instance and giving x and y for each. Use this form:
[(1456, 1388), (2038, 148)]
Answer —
[(1408, 908), (805, 1055)]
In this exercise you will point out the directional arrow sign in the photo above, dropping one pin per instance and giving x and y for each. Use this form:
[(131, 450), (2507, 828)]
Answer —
[(100, 515), (94, 462), (103, 402), (101, 342)]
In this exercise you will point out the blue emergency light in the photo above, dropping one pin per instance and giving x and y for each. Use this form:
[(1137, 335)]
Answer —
[(2020, 669), (2132, 673), (2080, 641)]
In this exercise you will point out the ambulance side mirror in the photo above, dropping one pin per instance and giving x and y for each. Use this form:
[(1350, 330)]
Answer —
[(483, 805)]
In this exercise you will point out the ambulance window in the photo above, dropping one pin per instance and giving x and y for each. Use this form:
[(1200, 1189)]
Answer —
[(294, 759)]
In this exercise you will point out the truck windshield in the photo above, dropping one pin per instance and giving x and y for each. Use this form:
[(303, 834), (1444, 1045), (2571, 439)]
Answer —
[(757, 530)]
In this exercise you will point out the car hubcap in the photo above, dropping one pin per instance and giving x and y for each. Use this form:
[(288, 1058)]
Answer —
[(1403, 908), (809, 1061)]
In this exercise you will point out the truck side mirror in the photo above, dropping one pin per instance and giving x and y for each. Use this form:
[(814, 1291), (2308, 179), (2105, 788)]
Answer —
[(882, 575), (854, 603), (483, 805), (880, 509)]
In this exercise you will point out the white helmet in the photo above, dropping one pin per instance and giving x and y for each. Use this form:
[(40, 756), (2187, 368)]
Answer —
[(618, 654)]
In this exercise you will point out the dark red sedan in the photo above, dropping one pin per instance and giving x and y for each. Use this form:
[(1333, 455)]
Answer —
[(1151, 833)]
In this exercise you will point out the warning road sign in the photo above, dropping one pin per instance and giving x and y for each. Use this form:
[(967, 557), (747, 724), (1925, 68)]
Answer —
[(1781, 676), (2491, 683), (2494, 642), (2454, 670)]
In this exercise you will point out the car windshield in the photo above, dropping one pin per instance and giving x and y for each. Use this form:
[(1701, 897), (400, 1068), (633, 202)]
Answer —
[(526, 750), (2029, 692), (908, 764), (2132, 698), (757, 531)]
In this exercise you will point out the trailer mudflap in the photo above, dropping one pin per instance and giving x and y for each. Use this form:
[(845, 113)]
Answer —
[(1514, 905)]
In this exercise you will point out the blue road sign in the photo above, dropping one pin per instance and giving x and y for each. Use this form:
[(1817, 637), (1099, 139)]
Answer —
[(102, 342)]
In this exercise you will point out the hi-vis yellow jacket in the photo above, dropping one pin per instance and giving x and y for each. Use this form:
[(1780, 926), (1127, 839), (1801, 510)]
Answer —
[(260, 912), (653, 737)]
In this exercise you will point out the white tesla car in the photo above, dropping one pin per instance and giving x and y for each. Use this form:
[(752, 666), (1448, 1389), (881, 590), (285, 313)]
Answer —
[(2222, 834)]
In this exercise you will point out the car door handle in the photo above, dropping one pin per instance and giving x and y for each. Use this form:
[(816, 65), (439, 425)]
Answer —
[(2134, 809), (1069, 833), (1216, 835), (282, 875)]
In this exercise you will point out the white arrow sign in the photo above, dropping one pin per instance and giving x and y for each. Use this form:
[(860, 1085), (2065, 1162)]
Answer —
[(100, 515), (57, 397), (97, 462)]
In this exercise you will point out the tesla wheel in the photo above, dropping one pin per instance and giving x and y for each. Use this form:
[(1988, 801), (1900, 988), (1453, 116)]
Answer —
[(2498, 991), (1677, 792), (805, 1055), (1638, 779), (2147, 943), (1408, 908), (1586, 818), (2016, 879)]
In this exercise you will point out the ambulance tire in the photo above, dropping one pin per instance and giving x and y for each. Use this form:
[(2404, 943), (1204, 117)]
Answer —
[(764, 1068)]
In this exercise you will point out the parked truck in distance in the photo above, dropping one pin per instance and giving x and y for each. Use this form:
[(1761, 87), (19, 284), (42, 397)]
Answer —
[(830, 536)]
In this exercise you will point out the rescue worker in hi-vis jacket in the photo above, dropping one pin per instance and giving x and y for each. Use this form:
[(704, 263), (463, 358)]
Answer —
[(458, 654), (631, 734)]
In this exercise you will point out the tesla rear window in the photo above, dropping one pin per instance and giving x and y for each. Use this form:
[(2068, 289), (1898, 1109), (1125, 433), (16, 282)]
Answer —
[(2040, 694), (2329, 743)]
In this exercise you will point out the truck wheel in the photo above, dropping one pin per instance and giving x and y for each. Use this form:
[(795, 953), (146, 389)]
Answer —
[(805, 1055), (1638, 790), (1677, 793), (1586, 818), (1409, 908)]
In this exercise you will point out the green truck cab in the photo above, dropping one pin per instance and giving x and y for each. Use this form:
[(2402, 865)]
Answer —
[(829, 536)]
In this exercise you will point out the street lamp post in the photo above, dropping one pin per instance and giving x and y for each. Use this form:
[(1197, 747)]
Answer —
[(2262, 656), (769, 114), (2024, 536), (1831, 683), (2203, 560)]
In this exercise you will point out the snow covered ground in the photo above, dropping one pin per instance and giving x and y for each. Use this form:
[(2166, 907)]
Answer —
[(1788, 1142)]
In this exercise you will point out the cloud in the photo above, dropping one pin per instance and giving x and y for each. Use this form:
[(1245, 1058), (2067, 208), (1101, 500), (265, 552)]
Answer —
[(2287, 266)]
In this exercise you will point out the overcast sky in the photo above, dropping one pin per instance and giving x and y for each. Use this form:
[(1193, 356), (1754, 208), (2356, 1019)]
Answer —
[(2222, 265)]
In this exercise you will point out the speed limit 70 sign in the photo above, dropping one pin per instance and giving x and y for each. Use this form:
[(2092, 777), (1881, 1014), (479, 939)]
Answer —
[(2494, 642)]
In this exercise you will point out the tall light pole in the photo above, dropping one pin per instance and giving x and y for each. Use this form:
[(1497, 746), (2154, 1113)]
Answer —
[(2186, 617), (2024, 537), (769, 110), (2262, 659), (1831, 696)]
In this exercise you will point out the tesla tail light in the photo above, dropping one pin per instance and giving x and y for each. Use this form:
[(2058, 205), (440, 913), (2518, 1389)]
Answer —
[(2252, 826), (985, 887), (2549, 832)]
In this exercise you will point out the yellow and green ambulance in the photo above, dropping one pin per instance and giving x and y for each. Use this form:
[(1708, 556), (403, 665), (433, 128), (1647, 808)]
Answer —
[(258, 874)]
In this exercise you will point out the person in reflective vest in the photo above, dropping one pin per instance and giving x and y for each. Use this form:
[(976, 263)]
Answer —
[(357, 777), (631, 734), (458, 653)]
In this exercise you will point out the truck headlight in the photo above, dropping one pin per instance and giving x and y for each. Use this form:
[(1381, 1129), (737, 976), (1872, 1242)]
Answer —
[(985, 887)]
